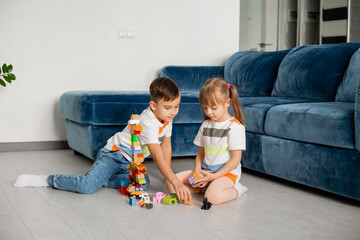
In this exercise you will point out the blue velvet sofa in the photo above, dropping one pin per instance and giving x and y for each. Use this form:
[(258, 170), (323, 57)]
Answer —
[(302, 110)]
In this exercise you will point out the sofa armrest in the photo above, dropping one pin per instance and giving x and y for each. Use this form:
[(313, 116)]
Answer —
[(109, 108), (357, 116), (191, 78)]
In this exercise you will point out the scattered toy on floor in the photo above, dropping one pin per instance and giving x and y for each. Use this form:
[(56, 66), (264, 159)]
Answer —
[(169, 199), (206, 204), (158, 197), (145, 201), (187, 202)]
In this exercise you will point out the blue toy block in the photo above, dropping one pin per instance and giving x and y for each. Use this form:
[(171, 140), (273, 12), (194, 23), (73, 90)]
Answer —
[(124, 182), (137, 151), (132, 201)]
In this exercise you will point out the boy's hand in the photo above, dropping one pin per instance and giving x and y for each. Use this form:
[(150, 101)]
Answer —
[(182, 192)]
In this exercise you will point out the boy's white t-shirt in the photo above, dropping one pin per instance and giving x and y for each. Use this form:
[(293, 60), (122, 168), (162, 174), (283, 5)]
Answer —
[(153, 132), (218, 139)]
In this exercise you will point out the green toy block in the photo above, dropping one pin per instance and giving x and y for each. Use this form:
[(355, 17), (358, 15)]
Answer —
[(133, 138)]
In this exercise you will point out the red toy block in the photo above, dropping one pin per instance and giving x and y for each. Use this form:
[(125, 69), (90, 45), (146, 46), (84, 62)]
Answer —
[(123, 190)]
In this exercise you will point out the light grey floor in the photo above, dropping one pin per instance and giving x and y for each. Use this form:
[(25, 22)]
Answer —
[(271, 209)]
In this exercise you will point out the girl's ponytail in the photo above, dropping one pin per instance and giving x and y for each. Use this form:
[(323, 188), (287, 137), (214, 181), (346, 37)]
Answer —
[(234, 96)]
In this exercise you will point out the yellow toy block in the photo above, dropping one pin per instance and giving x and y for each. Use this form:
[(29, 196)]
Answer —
[(137, 143), (135, 116)]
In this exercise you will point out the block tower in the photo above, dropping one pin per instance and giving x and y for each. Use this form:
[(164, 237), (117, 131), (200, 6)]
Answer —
[(133, 187), (137, 169)]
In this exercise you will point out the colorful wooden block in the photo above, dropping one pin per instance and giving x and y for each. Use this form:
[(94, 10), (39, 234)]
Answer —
[(124, 182), (132, 201), (133, 138), (136, 147), (135, 116), (140, 181), (138, 128), (123, 190), (194, 177), (138, 155), (135, 132)]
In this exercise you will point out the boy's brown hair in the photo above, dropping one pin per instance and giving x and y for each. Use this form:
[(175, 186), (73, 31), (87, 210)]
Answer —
[(163, 88)]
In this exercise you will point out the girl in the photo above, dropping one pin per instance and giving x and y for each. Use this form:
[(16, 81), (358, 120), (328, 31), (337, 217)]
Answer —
[(221, 140)]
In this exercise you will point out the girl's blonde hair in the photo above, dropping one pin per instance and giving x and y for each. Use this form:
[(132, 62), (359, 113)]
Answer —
[(216, 91)]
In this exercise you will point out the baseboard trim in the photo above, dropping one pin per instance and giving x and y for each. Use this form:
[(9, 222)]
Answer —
[(33, 146)]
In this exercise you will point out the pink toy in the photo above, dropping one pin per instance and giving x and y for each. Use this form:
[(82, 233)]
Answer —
[(138, 148), (158, 196)]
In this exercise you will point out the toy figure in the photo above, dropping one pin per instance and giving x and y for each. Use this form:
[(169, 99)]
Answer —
[(158, 197), (206, 204), (145, 201)]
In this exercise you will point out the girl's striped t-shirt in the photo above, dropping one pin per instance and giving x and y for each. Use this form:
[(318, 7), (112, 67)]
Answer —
[(218, 139)]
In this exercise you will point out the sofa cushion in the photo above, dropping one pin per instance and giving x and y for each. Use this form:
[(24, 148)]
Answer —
[(326, 123), (313, 71), (190, 110), (256, 108), (115, 107), (253, 72), (191, 78), (347, 88)]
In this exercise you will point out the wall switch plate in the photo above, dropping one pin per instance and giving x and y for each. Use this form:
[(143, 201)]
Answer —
[(126, 34)]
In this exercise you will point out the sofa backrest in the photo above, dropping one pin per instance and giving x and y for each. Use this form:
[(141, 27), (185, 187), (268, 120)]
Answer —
[(253, 72), (347, 89), (191, 78), (313, 71)]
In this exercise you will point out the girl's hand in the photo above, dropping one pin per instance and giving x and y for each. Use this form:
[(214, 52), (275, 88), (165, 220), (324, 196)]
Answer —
[(195, 184), (199, 184), (208, 177)]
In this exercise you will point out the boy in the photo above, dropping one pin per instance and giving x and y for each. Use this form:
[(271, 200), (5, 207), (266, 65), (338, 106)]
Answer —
[(110, 166)]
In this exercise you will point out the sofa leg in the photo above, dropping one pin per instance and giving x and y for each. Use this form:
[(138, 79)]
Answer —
[(77, 153)]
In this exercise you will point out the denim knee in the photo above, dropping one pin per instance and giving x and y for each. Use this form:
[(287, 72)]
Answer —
[(85, 187)]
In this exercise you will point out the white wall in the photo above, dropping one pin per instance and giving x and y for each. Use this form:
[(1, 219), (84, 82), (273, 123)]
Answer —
[(62, 45)]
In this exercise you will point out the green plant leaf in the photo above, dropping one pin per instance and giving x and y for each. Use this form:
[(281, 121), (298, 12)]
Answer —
[(2, 83), (7, 78), (9, 68), (11, 76), (4, 68), (0, 70)]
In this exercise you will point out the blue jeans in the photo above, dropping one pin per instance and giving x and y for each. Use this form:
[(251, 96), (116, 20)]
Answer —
[(107, 171)]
